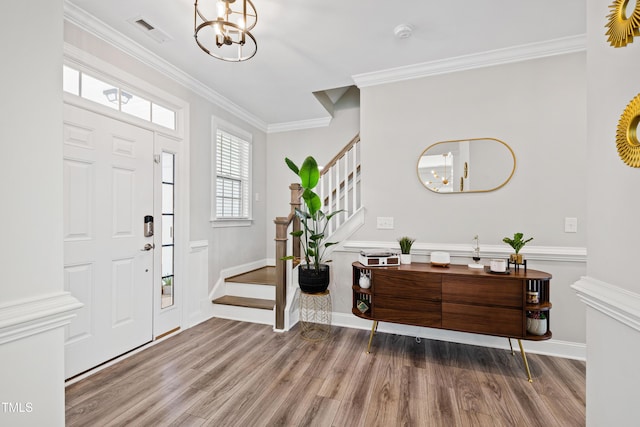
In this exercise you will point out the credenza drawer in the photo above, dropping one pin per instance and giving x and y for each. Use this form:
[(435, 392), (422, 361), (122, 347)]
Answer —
[(469, 290), (407, 284), (411, 304), (506, 322), (411, 312)]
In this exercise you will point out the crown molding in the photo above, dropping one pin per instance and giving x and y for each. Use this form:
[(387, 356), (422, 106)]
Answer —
[(478, 60), (299, 125), (618, 303), (99, 29)]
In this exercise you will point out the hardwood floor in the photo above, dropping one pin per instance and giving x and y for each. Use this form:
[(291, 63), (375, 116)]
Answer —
[(228, 373)]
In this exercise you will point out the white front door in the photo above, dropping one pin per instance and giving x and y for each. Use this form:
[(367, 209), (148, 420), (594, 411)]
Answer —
[(108, 191)]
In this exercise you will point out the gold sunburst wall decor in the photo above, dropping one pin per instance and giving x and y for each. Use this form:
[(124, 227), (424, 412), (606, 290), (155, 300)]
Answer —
[(627, 134), (624, 22)]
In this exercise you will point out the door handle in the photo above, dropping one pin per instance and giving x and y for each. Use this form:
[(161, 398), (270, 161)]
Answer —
[(148, 247)]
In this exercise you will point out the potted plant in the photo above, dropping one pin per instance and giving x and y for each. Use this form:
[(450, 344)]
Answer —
[(536, 322), (313, 274), (516, 243), (167, 285), (405, 249)]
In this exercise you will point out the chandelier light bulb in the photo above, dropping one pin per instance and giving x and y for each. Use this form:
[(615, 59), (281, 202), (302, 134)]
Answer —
[(222, 9)]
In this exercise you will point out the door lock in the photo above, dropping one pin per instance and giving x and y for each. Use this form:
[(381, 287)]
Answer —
[(148, 247)]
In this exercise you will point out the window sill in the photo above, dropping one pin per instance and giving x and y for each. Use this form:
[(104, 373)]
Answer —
[(221, 223)]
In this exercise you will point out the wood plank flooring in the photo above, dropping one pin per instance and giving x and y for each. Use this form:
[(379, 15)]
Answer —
[(229, 373)]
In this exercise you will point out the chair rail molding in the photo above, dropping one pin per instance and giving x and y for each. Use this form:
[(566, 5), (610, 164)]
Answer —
[(537, 253), (613, 301), (23, 318)]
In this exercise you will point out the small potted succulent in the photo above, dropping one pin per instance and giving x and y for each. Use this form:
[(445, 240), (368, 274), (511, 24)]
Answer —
[(516, 243), (405, 249), (536, 322)]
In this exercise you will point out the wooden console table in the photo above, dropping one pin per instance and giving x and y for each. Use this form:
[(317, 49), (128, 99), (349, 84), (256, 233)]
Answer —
[(456, 298)]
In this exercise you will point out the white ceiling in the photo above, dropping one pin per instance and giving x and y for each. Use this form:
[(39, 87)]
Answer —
[(313, 45)]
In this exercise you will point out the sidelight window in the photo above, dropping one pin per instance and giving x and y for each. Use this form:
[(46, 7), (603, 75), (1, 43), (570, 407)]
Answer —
[(168, 216)]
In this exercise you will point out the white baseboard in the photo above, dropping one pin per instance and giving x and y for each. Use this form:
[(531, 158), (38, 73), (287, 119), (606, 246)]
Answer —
[(557, 348)]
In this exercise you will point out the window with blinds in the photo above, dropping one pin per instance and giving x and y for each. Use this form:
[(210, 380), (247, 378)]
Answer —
[(232, 176)]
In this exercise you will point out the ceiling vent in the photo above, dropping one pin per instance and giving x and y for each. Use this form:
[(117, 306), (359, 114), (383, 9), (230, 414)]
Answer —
[(144, 25)]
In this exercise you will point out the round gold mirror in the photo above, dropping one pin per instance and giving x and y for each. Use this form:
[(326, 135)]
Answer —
[(627, 134), (624, 22), (466, 166)]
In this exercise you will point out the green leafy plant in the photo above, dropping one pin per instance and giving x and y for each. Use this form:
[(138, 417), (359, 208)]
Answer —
[(517, 243), (536, 315), (314, 221), (405, 244)]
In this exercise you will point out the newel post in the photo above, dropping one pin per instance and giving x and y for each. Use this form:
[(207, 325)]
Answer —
[(281, 269), (282, 223)]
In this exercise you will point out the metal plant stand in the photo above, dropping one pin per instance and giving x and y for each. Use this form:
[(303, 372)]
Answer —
[(315, 315)]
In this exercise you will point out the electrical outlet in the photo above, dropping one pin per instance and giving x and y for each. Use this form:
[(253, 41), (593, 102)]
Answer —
[(385, 223), (571, 225)]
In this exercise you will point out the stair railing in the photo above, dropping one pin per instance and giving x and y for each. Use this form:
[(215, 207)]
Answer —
[(339, 189)]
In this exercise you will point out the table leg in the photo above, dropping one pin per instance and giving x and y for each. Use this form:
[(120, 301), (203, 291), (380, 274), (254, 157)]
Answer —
[(373, 331), (524, 359)]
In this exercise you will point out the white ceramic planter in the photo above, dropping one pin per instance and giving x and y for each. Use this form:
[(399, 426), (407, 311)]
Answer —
[(405, 258), (536, 326)]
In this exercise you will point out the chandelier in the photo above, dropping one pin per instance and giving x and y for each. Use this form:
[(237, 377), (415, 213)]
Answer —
[(227, 36)]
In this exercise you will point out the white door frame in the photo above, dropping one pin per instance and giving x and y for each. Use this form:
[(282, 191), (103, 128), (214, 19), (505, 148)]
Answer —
[(174, 141)]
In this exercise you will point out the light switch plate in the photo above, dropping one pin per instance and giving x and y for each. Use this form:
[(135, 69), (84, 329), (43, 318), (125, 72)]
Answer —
[(385, 223), (571, 225)]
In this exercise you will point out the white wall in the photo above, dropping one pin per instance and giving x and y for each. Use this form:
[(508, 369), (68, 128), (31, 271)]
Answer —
[(613, 186), (31, 378), (227, 247), (611, 288), (537, 107)]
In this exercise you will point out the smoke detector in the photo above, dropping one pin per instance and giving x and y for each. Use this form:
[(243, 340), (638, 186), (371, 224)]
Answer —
[(403, 31)]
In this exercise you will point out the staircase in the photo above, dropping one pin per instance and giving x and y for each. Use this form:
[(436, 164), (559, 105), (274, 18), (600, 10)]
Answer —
[(249, 297), (266, 295)]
